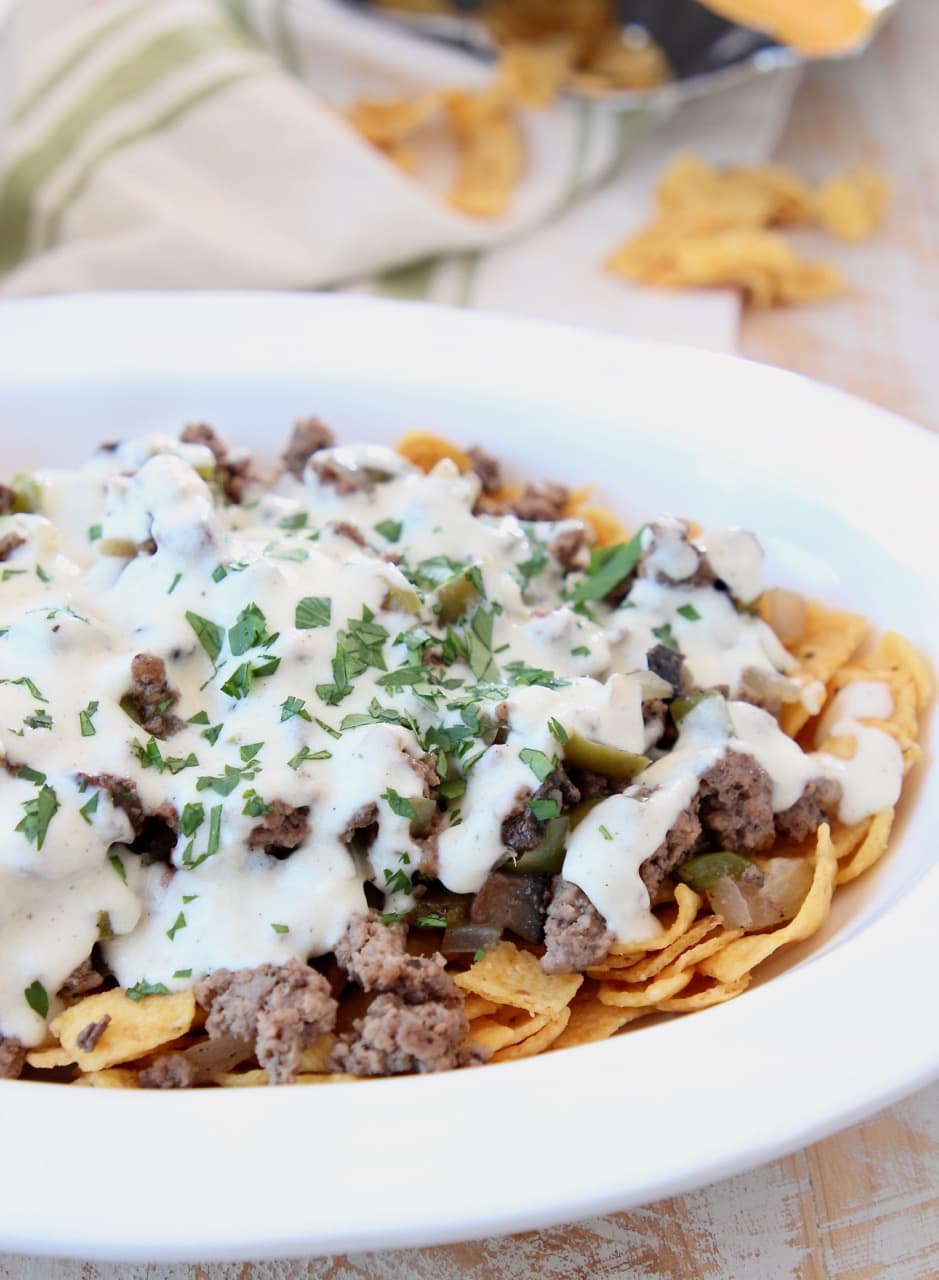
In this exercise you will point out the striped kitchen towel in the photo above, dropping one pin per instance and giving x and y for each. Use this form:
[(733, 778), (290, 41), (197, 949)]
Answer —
[(202, 144)]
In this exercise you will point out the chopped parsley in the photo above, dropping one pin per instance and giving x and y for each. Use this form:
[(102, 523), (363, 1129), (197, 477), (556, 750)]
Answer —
[(118, 866), (537, 761), (178, 923), (37, 997), (280, 928), (85, 720), (38, 813), (431, 922), (604, 832), (144, 988), (305, 754), (249, 631), (690, 612), (582, 651), (558, 732), (90, 807), (94, 532), (291, 707), (396, 881), (609, 566), (175, 583), (29, 685), (389, 529), (664, 634), (525, 675), (191, 819), (38, 720), (254, 806), (183, 973), (297, 521), (399, 804), (544, 809), (209, 634)]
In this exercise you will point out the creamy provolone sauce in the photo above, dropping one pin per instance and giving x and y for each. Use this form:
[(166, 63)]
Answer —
[(281, 636)]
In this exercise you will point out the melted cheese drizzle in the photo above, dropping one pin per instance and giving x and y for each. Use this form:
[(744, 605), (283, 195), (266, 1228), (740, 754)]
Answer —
[(84, 594)]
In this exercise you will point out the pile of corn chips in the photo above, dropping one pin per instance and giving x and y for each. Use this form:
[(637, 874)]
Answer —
[(544, 46), (720, 227), (515, 1009)]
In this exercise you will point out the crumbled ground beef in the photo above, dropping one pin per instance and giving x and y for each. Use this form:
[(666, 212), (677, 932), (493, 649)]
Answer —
[(154, 834), (309, 436), (339, 478), (347, 530), (374, 956), (569, 548), (280, 1009), (8, 544), (80, 982), (544, 501), (487, 468), (593, 786), (234, 473), (150, 699), (736, 804), (521, 830), (395, 1037), (12, 1057), (575, 934), (666, 663), (87, 1039), (363, 824), (678, 844), (7, 499), (281, 830), (802, 819), (168, 1071)]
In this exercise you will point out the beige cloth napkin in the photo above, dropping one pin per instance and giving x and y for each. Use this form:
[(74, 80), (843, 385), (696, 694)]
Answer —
[(196, 144)]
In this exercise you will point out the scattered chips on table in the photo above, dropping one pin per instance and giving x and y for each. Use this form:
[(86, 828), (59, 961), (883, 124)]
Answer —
[(719, 227)]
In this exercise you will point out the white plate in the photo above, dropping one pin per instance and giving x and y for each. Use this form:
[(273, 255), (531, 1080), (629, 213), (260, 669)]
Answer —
[(844, 496)]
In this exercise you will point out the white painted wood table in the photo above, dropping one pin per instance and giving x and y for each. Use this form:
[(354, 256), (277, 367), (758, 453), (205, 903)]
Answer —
[(864, 1204)]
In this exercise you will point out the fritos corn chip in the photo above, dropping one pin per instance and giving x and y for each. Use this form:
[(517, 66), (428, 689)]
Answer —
[(134, 1027)]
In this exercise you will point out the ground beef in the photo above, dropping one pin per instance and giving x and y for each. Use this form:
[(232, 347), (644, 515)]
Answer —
[(12, 1057), (374, 956), (87, 1039), (281, 830), (487, 468), (545, 501), (736, 804), (575, 933), (666, 663), (7, 499), (234, 473), (567, 548), (339, 478), (9, 543), (346, 530), (280, 1009), (309, 436), (802, 819), (363, 823), (424, 767), (395, 1037), (674, 849), (593, 786), (150, 698), (80, 982), (521, 830), (168, 1071)]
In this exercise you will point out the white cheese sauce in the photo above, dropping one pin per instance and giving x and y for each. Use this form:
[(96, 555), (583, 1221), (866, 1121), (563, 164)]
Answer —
[(326, 652)]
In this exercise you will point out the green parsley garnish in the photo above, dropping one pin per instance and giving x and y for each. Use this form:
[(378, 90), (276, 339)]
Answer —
[(85, 721), (178, 923), (90, 807), (312, 612), (37, 998), (297, 521), (291, 707), (280, 928), (390, 529), (145, 988), (38, 814), (183, 973), (118, 866), (399, 804), (537, 761), (690, 612), (558, 732), (305, 754), (175, 583), (209, 634), (94, 532), (664, 634), (609, 566), (604, 832), (544, 809)]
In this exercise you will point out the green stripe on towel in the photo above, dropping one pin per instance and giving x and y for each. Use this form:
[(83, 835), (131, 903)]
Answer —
[(140, 72)]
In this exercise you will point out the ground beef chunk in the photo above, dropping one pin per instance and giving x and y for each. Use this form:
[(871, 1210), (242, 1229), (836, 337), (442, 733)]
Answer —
[(168, 1071), (9, 543), (234, 473), (80, 982), (575, 933), (545, 501), (666, 663), (593, 786), (280, 1009), (309, 436), (347, 530), (87, 1039), (363, 824), (395, 1037), (802, 819), (339, 478), (521, 830), (150, 698), (423, 766), (7, 499), (736, 804), (374, 956), (487, 468), (12, 1057), (567, 547), (281, 830), (674, 849)]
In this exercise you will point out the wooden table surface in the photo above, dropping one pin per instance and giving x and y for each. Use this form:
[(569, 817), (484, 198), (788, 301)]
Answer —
[(864, 1204)]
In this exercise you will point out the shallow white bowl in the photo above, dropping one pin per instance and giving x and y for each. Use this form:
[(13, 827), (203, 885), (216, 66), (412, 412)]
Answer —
[(844, 497)]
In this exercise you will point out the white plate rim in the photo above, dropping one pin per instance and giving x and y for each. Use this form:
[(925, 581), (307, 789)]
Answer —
[(161, 1194)]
